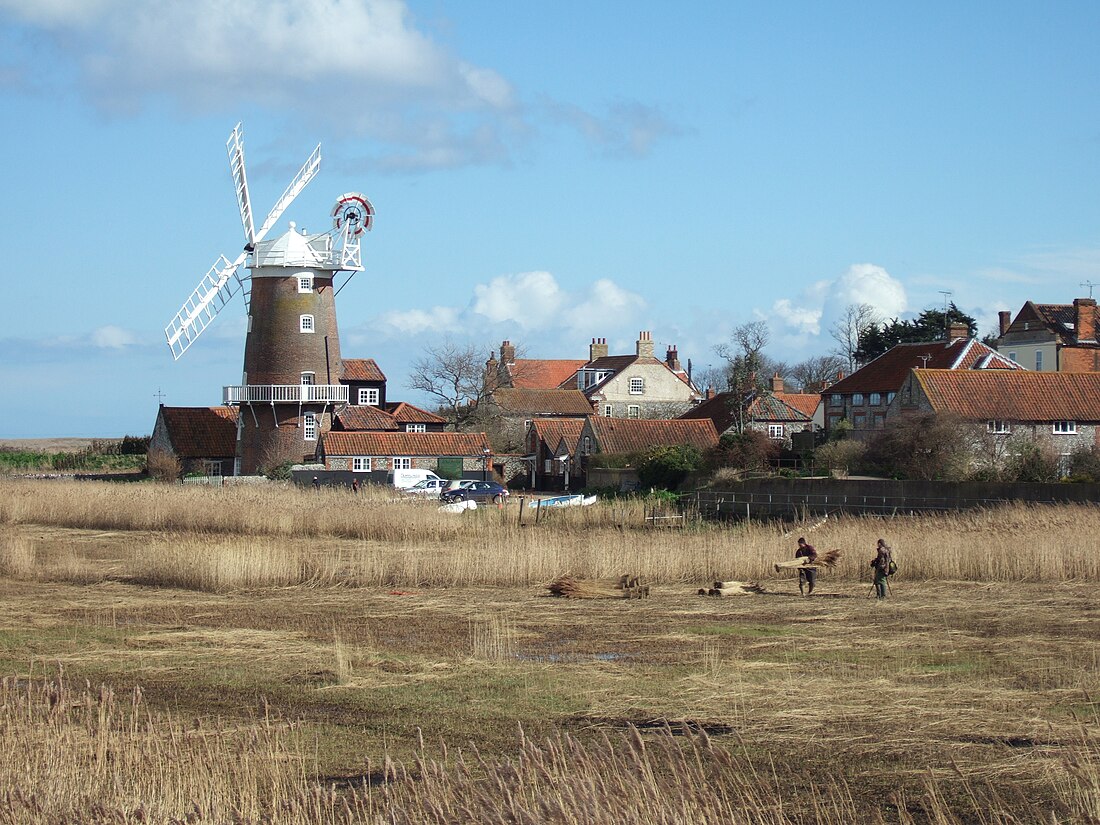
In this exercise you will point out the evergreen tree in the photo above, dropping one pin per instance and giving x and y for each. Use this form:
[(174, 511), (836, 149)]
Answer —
[(930, 325)]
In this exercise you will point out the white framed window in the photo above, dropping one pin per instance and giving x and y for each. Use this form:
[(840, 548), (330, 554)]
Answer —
[(1012, 355), (309, 378), (548, 466), (416, 428), (857, 399), (637, 385), (1038, 360), (236, 466), (997, 426), (586, 448), (402, 463), (240, 432), (360, 464), (309, 426), (305, 283), (876, 399), (368, 396), (608, 410), (1064, 427), (633, 411), (775, 431), (305, 323)]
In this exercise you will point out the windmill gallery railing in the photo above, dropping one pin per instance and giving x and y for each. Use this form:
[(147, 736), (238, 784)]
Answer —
[(286, 393)]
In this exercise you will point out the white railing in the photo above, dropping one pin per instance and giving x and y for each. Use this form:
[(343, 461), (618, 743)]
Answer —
[(285, 393)]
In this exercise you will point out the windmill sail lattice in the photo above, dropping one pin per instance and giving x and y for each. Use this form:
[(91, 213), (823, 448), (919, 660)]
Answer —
[(224, 279)]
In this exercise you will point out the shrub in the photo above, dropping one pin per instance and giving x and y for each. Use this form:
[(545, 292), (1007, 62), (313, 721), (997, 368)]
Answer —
[(1031, 460), (665, 467), (1084, 464), (923, 446), (840, 455), (749, 450), (163, 466), (279, 472)]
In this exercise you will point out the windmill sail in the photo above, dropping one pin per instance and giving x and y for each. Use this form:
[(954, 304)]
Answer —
[(235, 147), (214, 291)]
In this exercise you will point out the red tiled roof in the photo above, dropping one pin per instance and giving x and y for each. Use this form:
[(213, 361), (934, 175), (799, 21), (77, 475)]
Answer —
[(553, 430), (720, 410), (771, 408), (361, 369), (364, 417), (887, 372), (545, 402), (401, 444), (406, 413), (201, 432), (805, 402), (631, 435), (542, 373), (1013, 395)]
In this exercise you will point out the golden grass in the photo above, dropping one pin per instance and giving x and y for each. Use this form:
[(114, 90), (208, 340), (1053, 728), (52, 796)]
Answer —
[(87, 755), (225, 539)]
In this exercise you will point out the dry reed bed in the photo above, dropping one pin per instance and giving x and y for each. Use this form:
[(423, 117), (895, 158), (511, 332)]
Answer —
[(224, 539), (86, 755)]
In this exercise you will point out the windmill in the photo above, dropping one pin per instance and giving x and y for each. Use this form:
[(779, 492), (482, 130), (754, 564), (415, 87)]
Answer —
[(291, 380)]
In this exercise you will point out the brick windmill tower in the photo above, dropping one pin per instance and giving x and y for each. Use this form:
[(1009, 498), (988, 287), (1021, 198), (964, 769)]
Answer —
[(291, 382)]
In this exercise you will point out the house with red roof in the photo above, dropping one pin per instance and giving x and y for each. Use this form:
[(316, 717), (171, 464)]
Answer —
[(625, 436), (1058, 409), (366, 382), (863, 397), (616, 386), (203, 439), (513, 409), (777, 413), (551, 447), (374, 454), (398, 416), (1053, 337)]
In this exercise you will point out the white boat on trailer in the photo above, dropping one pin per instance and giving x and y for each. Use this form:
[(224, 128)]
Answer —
[(564, 501)]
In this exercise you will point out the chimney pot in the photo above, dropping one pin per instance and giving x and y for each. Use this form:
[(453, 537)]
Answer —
[(1004, 321), (597, 349), (777, 383), (645, 345)]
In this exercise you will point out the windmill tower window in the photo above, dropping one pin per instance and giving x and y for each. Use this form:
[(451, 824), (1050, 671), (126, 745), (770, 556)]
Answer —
[(309, 426), (305, 323), (309, 378), (305, 283)]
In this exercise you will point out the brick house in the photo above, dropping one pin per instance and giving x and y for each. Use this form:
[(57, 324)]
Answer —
[(863, 397), (366, 382), (551, 446), (624, 436), (203, 439), (397, 417), (529, 373), (1053, 337), (1060, 410), (635, 386), (777, 413), (463, 455), (514, 408)]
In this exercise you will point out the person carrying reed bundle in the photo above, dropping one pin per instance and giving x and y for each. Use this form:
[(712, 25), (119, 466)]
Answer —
[(808, 576), (883, 566)]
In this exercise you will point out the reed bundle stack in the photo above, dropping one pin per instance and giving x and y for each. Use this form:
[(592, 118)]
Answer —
[(571, 587), (731, 588)]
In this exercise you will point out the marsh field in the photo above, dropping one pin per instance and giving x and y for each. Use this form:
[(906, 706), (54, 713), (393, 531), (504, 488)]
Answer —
[(185, 654)]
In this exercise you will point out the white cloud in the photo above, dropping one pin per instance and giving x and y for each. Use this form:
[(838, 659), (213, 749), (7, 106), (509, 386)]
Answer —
[(112, 337), (868, 284), (362, 67), (627, 128), (530, 302)]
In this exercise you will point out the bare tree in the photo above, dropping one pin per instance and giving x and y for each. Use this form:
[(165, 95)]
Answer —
[(455, 375), (848, 327), (746, 364), (816, 370)]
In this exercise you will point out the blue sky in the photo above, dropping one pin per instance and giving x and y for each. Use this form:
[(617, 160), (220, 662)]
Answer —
[(543, 172)]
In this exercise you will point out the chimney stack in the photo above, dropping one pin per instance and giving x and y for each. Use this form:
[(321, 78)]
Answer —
[(507, 353), (709, 393), (1084, 318), (672, 359), (597, 349), (957, 329), (1004, 319), (777, 383), (645, 344)]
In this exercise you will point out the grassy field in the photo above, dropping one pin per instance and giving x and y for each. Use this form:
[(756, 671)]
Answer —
[(284, 656)]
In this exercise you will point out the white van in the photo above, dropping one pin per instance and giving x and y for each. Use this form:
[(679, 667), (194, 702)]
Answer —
[(407, 478)]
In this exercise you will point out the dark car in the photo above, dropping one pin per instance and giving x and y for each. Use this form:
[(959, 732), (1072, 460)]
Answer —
[(475, 491)]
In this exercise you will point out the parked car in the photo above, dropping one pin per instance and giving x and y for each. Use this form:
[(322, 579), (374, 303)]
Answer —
[(403, 479), (476, 491), (427, 487)]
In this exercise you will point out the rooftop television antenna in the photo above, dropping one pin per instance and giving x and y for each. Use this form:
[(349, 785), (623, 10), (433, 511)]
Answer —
[(1090, 285)]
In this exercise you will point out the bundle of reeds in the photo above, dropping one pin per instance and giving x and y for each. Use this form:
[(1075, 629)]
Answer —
[(731, 588), (828, 559), (571, 587)]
